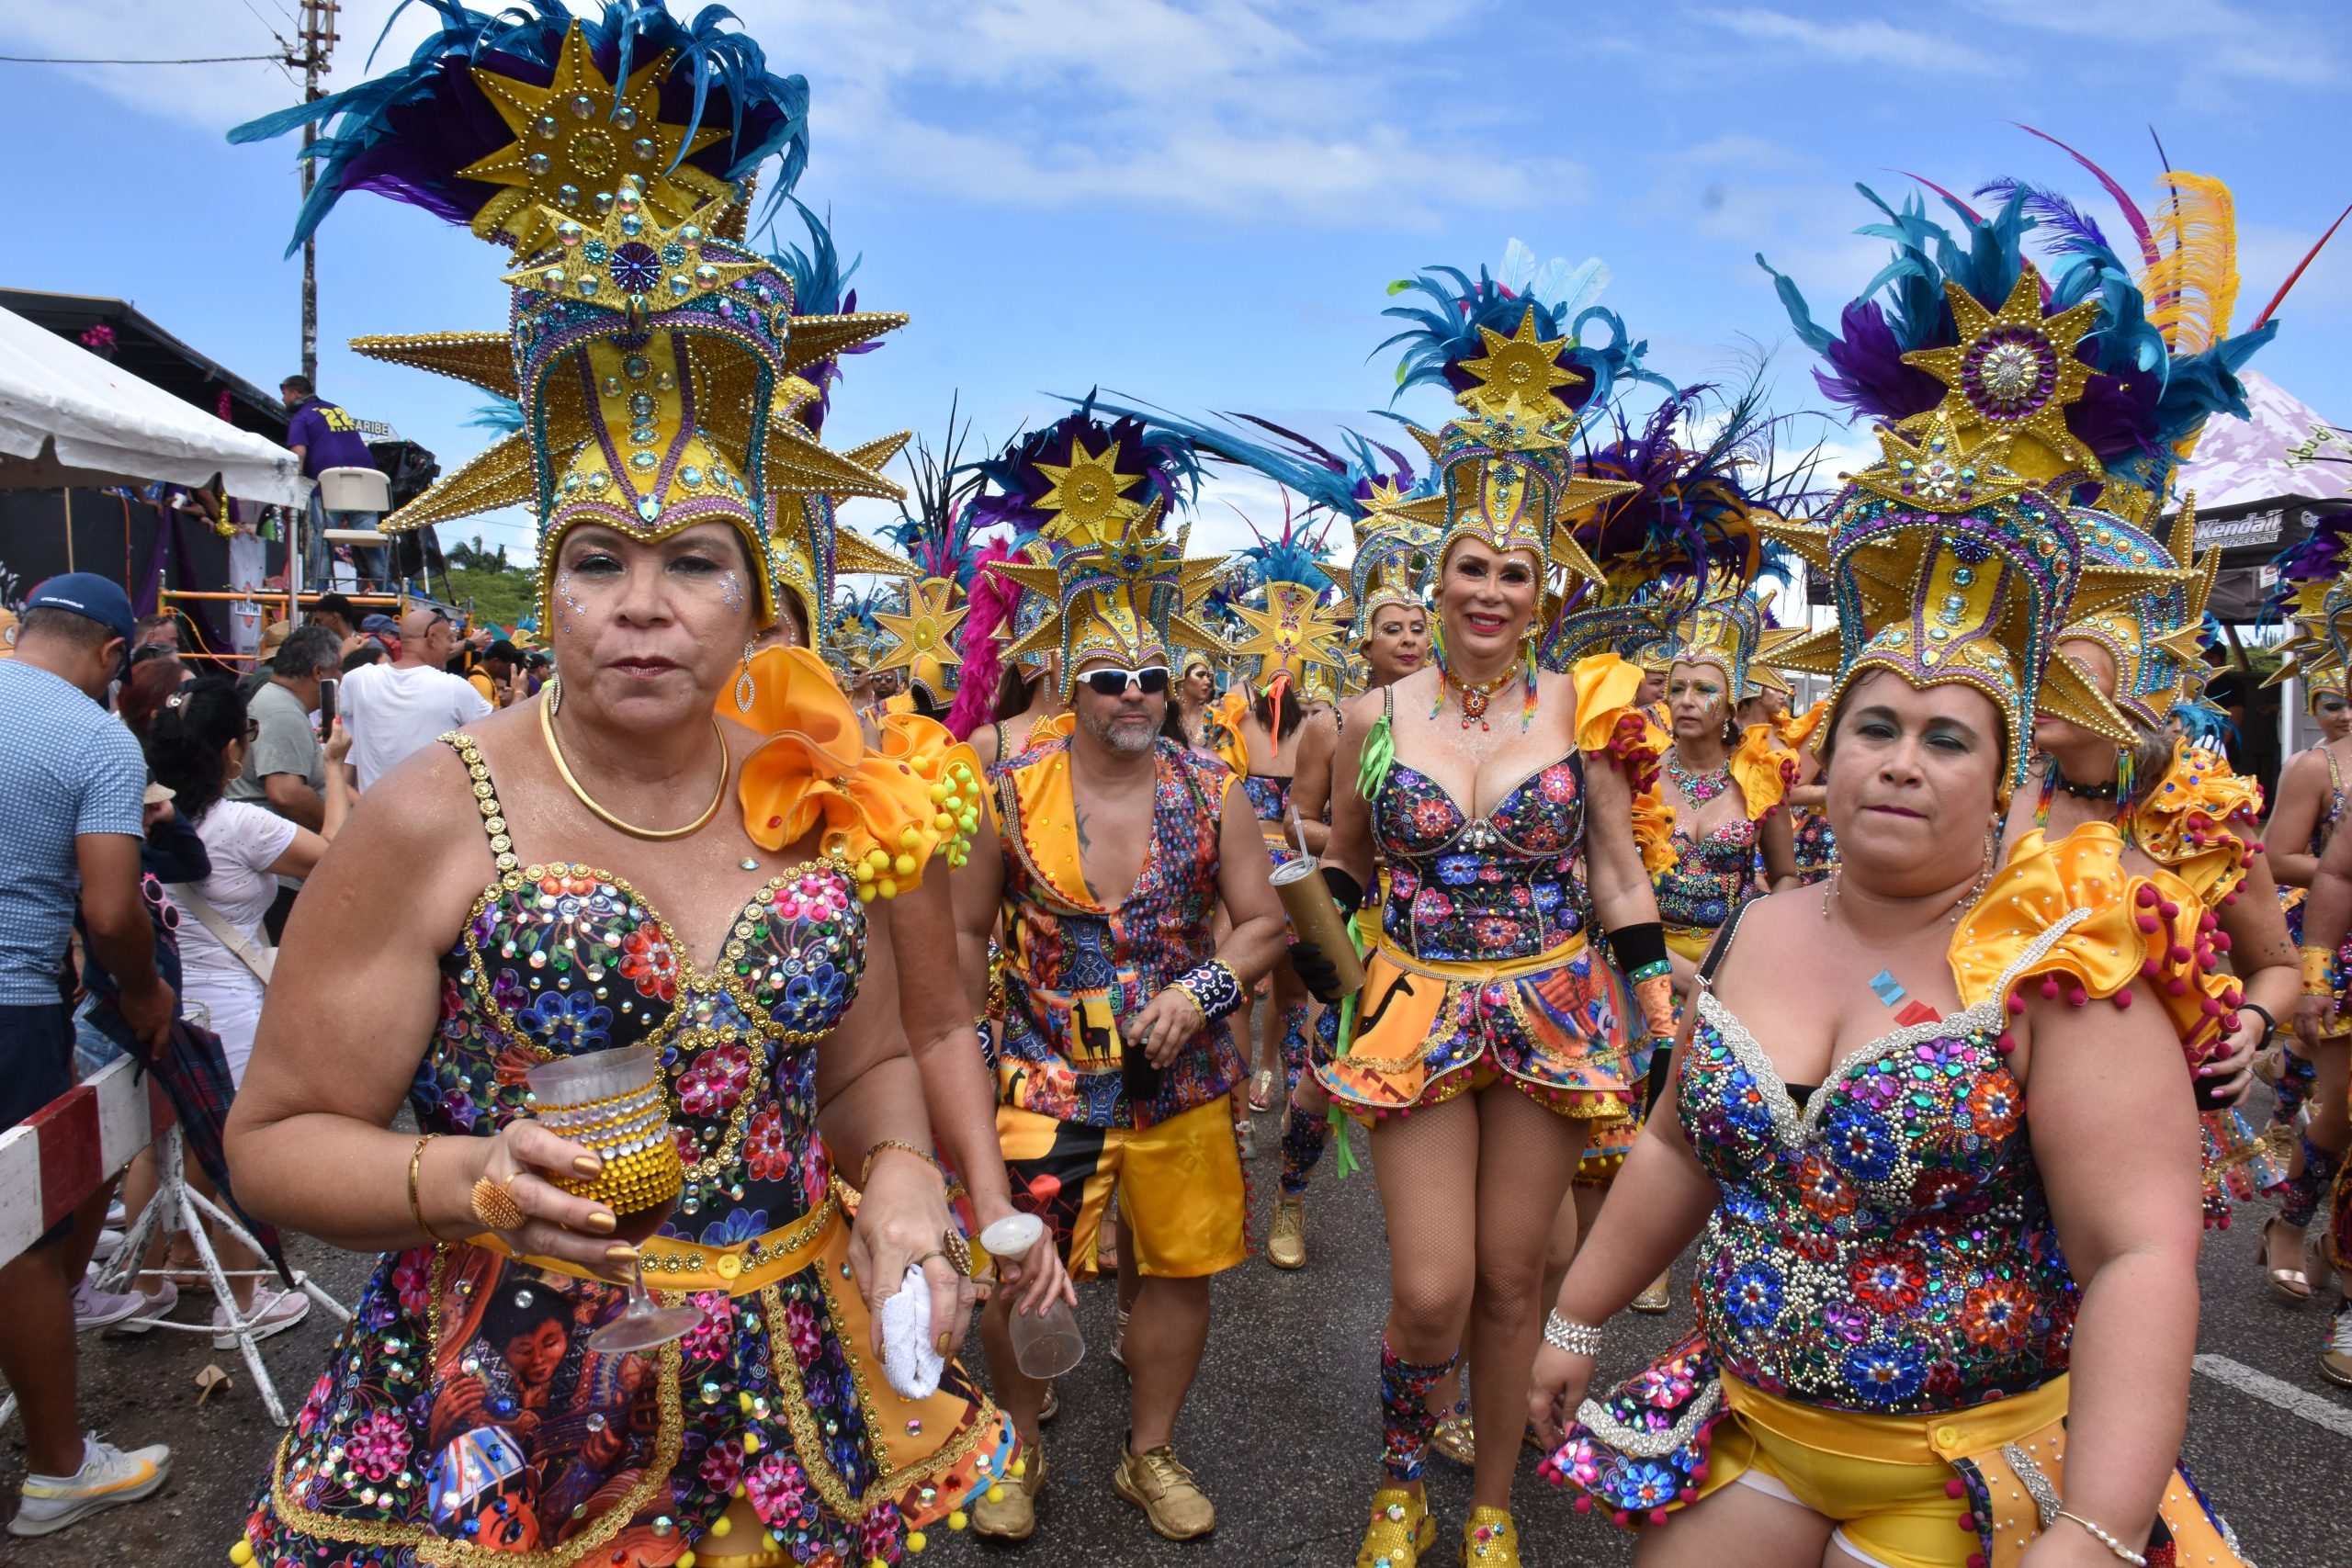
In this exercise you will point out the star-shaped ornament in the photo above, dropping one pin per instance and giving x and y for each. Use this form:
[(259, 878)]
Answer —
[(1519, 376), (575, 139), (1087, 494), (627, 261), (1938, 472), (2016, 371), (928, 628)]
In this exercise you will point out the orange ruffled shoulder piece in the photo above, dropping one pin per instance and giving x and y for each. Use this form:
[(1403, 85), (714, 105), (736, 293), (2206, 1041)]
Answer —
[(886, 809), (2137, 927), (1764, 769), (1607, 721), (2201, 822), (1796, 731)]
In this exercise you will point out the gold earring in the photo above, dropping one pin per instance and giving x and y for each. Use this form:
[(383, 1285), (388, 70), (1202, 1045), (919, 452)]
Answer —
[(746, 690), (555, 695)]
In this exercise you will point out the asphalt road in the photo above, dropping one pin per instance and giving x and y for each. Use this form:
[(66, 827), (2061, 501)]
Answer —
[(1282, 1429)]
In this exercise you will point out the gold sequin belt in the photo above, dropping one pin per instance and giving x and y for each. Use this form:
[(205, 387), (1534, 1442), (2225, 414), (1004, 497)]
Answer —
[(737, 1270)]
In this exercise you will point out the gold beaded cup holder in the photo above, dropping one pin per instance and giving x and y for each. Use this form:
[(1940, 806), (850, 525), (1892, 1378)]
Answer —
[(615, 1103)]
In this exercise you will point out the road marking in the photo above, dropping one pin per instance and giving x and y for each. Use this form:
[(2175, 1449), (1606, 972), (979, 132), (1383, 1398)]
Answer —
[(2272, 1390)]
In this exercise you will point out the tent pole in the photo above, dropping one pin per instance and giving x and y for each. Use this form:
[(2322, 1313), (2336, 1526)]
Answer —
[(68, 494)]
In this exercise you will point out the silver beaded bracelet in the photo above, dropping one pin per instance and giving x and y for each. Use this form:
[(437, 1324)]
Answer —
[(2116, 1547), (1575, 1339)]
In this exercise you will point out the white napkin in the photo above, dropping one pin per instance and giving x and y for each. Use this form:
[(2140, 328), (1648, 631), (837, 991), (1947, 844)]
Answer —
[(910, 1363)]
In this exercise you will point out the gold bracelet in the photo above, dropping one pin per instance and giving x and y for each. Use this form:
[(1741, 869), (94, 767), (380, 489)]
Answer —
[(2319, 970), (416, 1209), (866, 1168)]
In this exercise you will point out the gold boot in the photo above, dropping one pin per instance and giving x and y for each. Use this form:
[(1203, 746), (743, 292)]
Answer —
[(1401, 1529), (1489, 1540), (1286, 1243), (1007, 1510)]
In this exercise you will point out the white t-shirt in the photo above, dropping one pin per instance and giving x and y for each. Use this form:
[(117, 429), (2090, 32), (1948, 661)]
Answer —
[(393, 713), (244, 840)]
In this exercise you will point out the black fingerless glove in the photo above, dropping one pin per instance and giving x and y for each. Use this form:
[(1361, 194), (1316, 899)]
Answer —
[(1346, 891)]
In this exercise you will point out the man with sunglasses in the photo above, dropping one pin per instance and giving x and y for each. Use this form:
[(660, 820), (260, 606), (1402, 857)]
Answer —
[(1106, 853)]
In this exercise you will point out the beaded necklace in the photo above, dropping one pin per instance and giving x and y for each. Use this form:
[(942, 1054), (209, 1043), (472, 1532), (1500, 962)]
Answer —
[(1476, 696), (1697, 788)]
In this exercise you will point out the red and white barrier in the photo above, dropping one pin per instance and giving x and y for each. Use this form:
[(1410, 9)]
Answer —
[(73, 1146)]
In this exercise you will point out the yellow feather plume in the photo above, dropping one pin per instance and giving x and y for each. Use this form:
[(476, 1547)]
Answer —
[(2193, 287)]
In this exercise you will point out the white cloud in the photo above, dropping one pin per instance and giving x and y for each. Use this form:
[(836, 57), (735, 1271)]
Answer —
[(1866, 41), (2272, 42)]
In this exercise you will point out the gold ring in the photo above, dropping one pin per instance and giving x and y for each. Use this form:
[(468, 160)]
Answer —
[(495, 1207), (957, 1251)]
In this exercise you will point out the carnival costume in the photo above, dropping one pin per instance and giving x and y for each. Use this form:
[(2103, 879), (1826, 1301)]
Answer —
[(1077, 969), (463, 1417), (1885, 1313), (1482, 969)]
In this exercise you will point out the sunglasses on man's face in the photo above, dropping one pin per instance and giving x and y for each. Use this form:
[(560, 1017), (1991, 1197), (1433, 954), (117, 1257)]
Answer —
[(1151, 678)]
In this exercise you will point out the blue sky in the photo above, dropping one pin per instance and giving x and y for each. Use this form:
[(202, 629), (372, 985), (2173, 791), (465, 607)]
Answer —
[(1202, 202)]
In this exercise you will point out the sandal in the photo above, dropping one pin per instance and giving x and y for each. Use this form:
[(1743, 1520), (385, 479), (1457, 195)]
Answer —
[(1262, 1090), (2292, 1286)]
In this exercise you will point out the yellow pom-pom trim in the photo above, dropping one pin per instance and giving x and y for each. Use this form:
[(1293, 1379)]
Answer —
[(721, 1525), (686, 1557), (241, 1554), (996, 1494), (1020, 1467), (958, 1520), (916, 1540), (751, 1443)]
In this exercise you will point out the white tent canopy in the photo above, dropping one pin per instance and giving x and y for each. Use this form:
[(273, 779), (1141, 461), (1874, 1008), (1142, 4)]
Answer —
[(68, 417)]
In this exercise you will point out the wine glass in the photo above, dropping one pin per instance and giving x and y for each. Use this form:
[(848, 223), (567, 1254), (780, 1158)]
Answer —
[(613, 1101)]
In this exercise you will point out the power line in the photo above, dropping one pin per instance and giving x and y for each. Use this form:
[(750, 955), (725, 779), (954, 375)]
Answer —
[(198, 60)]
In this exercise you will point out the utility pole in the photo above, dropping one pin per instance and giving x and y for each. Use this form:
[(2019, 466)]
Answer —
[(318, 41)]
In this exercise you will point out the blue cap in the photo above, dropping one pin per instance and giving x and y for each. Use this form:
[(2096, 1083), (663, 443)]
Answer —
[(87, 594)]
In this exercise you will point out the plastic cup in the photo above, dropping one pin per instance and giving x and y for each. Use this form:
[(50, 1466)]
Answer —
[(1046, 1343)]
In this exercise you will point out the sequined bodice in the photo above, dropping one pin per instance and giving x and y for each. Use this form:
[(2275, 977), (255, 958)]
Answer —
[(559, 960), (1711, 876), (1268, 796), (1888, 1248), (1498, 887)]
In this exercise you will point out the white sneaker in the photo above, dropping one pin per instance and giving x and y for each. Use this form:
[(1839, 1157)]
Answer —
[(1245, 1133), (94, 1308), (116, 1215), (154, 1301), (273, 1312), (107, 1476), (109, 1242)]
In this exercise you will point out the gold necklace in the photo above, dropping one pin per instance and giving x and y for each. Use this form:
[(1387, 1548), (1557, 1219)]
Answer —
[(726, 765)]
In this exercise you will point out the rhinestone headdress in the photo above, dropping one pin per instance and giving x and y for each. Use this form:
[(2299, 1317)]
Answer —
[(659, 362)]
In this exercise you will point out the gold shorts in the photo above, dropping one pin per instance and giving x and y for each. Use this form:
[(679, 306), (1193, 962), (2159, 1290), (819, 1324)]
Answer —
[(1181, 1200)]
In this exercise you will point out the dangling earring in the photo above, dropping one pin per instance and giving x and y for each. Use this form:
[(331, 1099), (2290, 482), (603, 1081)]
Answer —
[(2123, 772), (555, 695), (745, 689)]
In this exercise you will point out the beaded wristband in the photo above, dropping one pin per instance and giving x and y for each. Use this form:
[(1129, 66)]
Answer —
[(1661, 969), (2319, 970), (1214, 990), (1575, 1339), (2108, 1541), (865, 1170), (416, 1209)]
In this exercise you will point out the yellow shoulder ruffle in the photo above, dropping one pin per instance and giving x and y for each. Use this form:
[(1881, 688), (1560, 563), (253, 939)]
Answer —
[(886, 808), (1796, 729), (1607, 721), (2198, 820), (2135, 927), (1763, 769)]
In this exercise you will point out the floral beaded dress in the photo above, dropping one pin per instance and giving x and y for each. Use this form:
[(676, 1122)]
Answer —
[(1482, 969), (463, 1418), (1882, 1264)]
